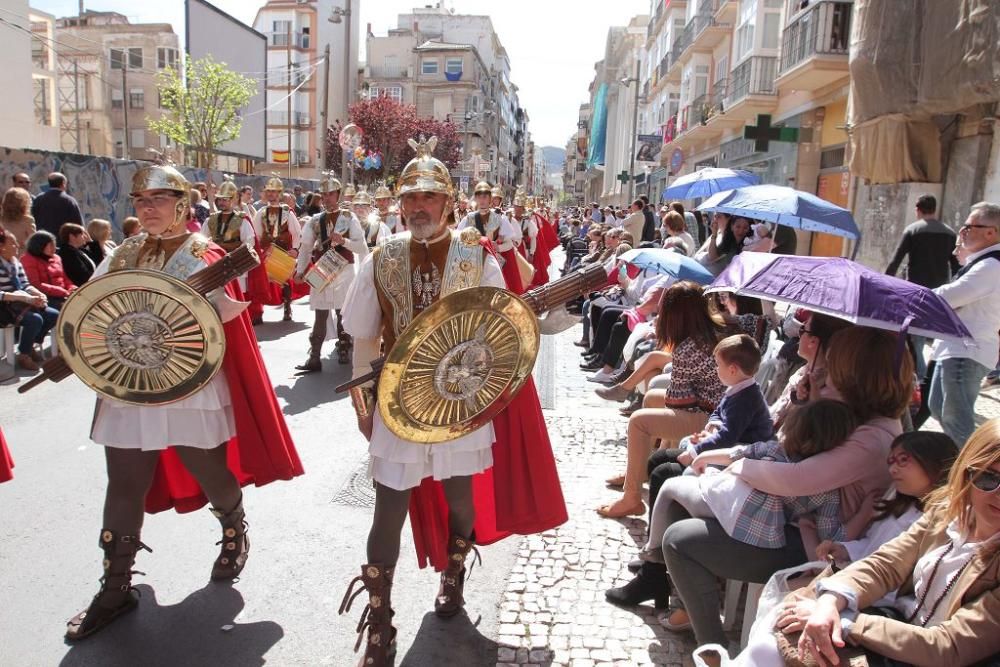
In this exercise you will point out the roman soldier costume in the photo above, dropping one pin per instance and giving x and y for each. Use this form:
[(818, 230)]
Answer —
[(317, 239), (388, 209), (496, 197), (229, 229), (276, 224), (395, 284), (501, 234), (231, 420), (375, 230)]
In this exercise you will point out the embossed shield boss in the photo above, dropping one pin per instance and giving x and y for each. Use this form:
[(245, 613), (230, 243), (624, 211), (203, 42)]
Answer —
[(141, 337), (457, 365)]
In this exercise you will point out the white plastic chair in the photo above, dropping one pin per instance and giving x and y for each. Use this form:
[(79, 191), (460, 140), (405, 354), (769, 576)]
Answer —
[(7, 366)]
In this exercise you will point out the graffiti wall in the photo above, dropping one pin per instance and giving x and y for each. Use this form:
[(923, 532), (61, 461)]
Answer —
[(101, 184)]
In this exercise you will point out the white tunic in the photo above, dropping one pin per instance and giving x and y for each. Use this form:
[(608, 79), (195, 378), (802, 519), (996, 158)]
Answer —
[(259, 222), (246, 236), (332, 297), (508, 234), (395, 462), (203, 420)]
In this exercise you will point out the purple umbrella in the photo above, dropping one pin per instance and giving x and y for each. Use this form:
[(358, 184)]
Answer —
[(742, 268), (841, 288)]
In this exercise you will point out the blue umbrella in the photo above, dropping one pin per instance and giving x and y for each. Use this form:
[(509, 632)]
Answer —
[(668, 262), (785, 206), (708, 181)]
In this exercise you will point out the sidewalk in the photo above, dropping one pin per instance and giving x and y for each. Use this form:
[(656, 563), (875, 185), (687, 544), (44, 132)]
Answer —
[(553, 611)]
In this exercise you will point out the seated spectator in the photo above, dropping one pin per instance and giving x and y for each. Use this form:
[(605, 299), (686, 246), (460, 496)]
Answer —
[(691, 223), (674, 227), (131, 226), (44, 269), (76, 263), (724, 242), (22, 305), (945, 569), (14, 216), (690, 333), (876, 383), (100, 244)]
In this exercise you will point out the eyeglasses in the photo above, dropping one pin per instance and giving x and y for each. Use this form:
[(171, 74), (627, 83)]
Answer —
[(986, 481), (902, 459), (153, 200), (967, 227)]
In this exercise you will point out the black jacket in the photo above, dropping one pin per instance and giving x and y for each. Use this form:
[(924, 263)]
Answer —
[(53, 208), (928, 245), (76, 263), (648, 227)]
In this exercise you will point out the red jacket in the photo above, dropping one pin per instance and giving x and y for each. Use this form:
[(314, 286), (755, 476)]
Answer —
[(47, 275)]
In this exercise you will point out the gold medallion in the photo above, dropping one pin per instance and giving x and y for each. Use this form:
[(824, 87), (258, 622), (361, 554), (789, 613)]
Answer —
[(141, 337), (457, 365)]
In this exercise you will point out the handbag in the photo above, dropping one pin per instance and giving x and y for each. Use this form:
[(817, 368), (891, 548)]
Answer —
[(11, 314), (788, 647)]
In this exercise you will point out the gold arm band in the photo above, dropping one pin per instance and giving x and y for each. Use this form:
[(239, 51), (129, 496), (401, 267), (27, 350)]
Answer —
[(363, 400)]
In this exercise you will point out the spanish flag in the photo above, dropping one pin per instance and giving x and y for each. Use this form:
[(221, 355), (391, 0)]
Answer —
[(279, 156)]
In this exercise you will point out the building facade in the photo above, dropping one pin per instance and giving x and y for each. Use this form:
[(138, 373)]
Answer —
[(107, 83)]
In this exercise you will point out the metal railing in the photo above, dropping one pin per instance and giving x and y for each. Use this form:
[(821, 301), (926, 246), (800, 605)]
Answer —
[(754, 76), (824, 29), (664, 65), (299, 40), (389, 72), (299, 118)]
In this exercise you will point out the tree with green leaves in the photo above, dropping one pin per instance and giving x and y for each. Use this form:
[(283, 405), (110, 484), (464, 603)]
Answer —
[(201, 109)]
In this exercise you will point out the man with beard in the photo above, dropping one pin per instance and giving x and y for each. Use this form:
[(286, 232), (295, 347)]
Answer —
[(275, 223), (397, 282), (334, 228)]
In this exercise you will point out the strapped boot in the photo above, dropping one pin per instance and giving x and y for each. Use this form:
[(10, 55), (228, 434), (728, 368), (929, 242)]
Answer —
[(344, 342), (316, 339), (287, 317), (235, 543), (116, 596), (449, 600), (380, 649)]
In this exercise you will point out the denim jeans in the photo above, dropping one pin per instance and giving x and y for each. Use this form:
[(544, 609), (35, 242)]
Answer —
[(34, 325), (954, 389), (920, 361)]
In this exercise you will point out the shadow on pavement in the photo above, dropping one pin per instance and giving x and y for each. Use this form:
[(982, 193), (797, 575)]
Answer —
[(200, 630), (309, 390), (271, 331), (451, 641)]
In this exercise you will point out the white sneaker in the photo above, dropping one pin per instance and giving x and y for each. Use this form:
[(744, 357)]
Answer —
[(602, 377)]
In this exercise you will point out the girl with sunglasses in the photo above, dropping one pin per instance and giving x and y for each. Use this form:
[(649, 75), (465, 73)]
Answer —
[(945, 569)]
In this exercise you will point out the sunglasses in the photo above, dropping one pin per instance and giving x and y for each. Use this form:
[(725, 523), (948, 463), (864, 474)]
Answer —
[(986, 481), (900, 459)]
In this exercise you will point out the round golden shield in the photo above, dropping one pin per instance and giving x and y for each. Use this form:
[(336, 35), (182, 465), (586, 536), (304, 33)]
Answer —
[(141, 337), (457, 365)]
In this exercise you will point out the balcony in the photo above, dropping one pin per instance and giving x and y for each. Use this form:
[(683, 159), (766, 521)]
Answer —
[(815, 46), (726, 11), (707, 31), (716, 116), (751, 88), (280, 40), (695, 121), (388, 72)]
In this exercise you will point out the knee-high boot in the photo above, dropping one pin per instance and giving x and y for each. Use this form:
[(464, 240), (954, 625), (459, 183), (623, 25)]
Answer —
[(450, 598), (376, 619), (235, 542)]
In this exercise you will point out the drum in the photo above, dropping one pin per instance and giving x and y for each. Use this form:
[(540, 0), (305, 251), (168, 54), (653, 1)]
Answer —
[(326, 269), (280, 266)]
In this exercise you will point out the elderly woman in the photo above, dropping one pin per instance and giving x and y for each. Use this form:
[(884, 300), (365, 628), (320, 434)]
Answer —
[(100, 243), (14, 216), (77, 264), (23, 305), (45, 270), (945, 569)]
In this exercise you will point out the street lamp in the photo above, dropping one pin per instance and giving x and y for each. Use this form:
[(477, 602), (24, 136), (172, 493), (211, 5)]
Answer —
[(626, 82)]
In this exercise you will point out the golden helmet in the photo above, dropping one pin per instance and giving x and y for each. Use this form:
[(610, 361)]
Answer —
[(361, 197), (497, 192), (348, 192), (520, 199), (328, 183), (463, 198), (159, 177), (228, 189), (274, 183), (383, 192), (425, 173), (482, 186)]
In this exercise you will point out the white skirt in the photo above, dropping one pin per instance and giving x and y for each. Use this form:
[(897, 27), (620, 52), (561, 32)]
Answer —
[(401, 464), (203, 420)]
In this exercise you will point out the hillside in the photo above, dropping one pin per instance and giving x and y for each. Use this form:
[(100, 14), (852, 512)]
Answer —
[(555, 158)]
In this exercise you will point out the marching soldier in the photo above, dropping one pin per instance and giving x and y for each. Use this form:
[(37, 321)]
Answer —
[(496, 198), (376, 232), (389, 211), (275, 223), (499, 230), (339, 229), (229, 228)]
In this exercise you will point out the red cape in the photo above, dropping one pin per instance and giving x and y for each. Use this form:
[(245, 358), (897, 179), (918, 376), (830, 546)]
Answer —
[(262, 451), (6, 462), (520, 494)]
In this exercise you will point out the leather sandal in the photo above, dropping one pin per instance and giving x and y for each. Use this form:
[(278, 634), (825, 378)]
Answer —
[(235, 543), (450, 598), (376, 618), (116, 596), (312, 365)]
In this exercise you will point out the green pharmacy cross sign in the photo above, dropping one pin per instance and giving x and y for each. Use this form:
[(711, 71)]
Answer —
[(623, 177), (763, 133)]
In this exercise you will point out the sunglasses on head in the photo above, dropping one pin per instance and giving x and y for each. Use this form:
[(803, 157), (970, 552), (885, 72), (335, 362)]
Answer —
[(986, 481)]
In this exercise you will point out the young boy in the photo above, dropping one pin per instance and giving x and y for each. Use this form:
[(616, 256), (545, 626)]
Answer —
[(742, 414)]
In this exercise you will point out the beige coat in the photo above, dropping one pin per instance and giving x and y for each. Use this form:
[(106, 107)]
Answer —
[(972, 631)]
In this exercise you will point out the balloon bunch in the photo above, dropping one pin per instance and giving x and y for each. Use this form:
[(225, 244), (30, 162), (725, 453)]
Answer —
[(367, 160)]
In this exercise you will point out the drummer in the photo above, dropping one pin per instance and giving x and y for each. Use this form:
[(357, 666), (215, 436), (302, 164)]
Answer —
[(236, 408), (336, 228), (376, 231), (276, 224)]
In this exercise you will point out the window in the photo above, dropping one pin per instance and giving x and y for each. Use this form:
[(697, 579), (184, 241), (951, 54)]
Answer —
[(118, 137), (137, 138), (116, 99), (745, 28), (136, 98), (392, 92), (131, 56), (772, 26), (166, 57), (429, 66), (722, 68), (453, 66)]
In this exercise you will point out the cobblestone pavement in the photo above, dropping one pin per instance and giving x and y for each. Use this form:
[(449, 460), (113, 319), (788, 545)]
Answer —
[(553, 610)]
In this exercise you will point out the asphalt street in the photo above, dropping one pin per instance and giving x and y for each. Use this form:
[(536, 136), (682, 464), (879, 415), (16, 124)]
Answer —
[(307, 537)]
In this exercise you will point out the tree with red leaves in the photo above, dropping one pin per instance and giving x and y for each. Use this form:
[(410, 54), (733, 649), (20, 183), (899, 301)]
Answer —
[(387, 126)]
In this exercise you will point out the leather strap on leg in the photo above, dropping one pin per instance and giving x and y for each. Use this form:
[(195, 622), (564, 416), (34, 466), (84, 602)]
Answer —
[(450, 598), (376, 617), (235, 542)]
